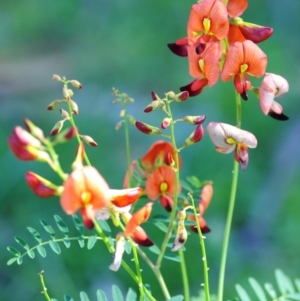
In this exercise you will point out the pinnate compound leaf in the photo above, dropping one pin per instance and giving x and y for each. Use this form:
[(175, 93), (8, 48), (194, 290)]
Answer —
[(257, 289), (176, 298), (78, 224), (21, 242), (101, 296), (42, 251), (81, 241), (131, 295), (12, 260), (35, 234), (104, 226), (54, 246), (116, 293), (91, 242), (284, 283), (242, 293), (61, 225), (48, 229), (84, 297), (68, 298), (271, 291), (14, 251)]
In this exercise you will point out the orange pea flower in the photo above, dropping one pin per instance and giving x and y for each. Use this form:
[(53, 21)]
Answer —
[(236, 7), (244, 57), (87, 190), (161, 183), (208, 21)]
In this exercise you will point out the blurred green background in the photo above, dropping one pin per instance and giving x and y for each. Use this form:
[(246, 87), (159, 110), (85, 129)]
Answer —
[(122, 44)]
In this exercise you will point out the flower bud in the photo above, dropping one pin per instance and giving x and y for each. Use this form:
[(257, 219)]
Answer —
[(120, 248), (196, 136), (74, 107), (75, 83), (119, 124), (169, 160), (56, 77), (170, 95), (152, 106), (89, 140), (255, 33), (194, 119), (182, 96), (122, 113), (54, 104), (131, 119), (40, 186), (147, 129), (66, 134), (154, 96), (181, 236), (165, 123), (33, 129), (66, 92), (64, 114), (57, 128)]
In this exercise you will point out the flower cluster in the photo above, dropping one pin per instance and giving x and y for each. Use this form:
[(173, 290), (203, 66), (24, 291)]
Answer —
[(218, 43)]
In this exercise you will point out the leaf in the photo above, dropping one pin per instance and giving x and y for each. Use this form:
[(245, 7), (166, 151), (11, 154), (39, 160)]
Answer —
[(31, 254), (172, 257), (21, 242), (35, 234), (12, 260), (161, 226), (242, 293), (84, 297), (68, 298), (116, 294), (297, 283), (131, 295), (104, 226), (176, 298), (271, 291), (61, 225), (101, 296), (81, 241), (78, 224), (194, 181), (67, 242), (54, 246), (48, 229), (186, 186), (19, 260), (127, 247), (294, 296), (14, 251), (284, 283), (42, 251), (91, 242), (53, 299), (154, 249), (257, 289)]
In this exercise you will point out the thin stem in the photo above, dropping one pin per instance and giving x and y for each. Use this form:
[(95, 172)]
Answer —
[(184, 275), (203, 251), (127, 143), (44, 291), (230, 209)]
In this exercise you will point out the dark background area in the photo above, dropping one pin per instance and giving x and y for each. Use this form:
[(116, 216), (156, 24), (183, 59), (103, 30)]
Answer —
[(122, 44)]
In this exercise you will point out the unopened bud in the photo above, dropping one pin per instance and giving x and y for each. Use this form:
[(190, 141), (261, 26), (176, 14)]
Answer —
[(34, 130), (57, 128), (56, 77), (79, 156), (154, 96), (255, 33), (53, 105), (147, 129), (89, 140), (71, 93), (152, 106), (169, 160), (171, 95), (196, 136), (75, 83), (66, 134), (66, 92), (165, 123), (64, 114), (74, 107), (131, 119), (194, 119), (184, 95), (119, 124), (122, 113)]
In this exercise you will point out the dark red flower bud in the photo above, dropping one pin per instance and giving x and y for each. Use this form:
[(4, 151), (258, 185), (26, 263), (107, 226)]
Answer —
[(179, 47), (57, 128), (254, 32), (195, 87), (194, 119), (196, 136), (147, 129)]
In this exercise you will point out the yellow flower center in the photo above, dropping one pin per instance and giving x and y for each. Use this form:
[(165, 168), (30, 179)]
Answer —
[(163, 187), (244, 68), (86, 197), (206, 24), (230, 141), (201, 65)]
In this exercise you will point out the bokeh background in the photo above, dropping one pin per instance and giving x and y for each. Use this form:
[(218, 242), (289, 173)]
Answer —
[(122, 44)]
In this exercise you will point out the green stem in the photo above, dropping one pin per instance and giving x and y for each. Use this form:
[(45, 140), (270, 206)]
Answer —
[(230, 208), (44, 291), (127, 143), (184, 275), (203, 251)]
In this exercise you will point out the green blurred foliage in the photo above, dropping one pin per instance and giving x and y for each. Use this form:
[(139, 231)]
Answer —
[(122, 44)]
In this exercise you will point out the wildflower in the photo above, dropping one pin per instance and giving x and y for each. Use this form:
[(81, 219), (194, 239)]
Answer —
[(272, 86), (228, 138), (208, 21), (181, 235), (120, 248), (87, 190), (161, 183), (195, 136), (133, 228), (244, 57)]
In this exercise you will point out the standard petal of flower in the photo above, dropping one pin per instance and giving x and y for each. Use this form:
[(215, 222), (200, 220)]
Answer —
[(219, 20), (236, 7)]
